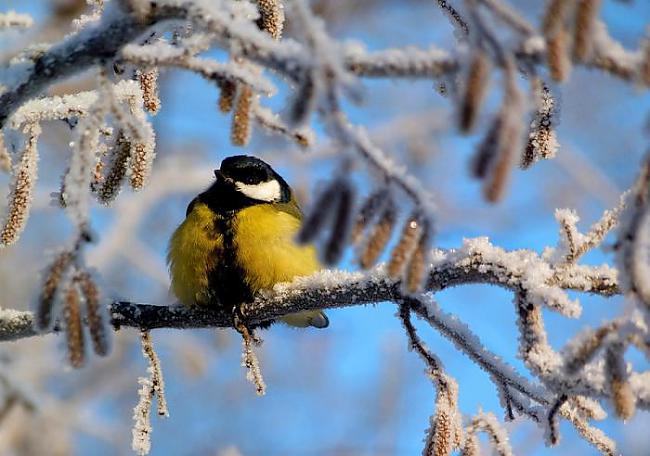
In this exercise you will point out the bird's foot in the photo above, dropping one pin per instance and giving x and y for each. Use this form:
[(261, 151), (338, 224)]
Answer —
[(240, 325)]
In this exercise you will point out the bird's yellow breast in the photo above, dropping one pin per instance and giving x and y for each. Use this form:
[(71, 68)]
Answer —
[(194, 249), (265, 247)]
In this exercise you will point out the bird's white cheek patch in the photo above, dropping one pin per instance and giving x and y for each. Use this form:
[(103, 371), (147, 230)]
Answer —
[(266, 191)]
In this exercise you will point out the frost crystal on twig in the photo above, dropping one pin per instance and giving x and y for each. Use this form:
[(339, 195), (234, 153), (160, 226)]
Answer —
[(150, 387), (250, 361), (488, 423), (542, 140), (11, 19)]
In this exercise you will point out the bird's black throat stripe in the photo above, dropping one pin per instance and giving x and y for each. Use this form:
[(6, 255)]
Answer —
[(226, 280)]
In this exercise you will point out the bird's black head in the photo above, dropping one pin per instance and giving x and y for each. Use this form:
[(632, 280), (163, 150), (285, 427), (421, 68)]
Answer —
[(244, 181)]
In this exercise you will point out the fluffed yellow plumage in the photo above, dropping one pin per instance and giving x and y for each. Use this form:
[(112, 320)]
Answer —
[(224, 256), (194, 249)]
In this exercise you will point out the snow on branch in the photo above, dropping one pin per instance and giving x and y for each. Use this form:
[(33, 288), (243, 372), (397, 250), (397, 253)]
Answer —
[(12, 19)]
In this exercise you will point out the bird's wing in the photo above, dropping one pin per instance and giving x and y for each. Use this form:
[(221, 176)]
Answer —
[(292, 208)]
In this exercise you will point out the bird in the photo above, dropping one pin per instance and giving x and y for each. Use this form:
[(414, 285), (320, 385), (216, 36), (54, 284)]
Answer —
[(238, 238)]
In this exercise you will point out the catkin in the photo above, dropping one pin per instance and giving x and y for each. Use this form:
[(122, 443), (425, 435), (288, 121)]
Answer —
[(241, 119), (442, 437), (620, 389), (303, 102), (487, 150), (321, 210), (99, 334), (141, 155), (555, 16), (271, 17), (112, 182), (51, 284), (404, 248), (227, 94), (22, 188), (445, 434), (508, 138), (495, 182), (370, 207), (557, 55), (379, 236), (340, 225), (475, 89), (471, 445), (583, 32), (149, 86), (73, 326)]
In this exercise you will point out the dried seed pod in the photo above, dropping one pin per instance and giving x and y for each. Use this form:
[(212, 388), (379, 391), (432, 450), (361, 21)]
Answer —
[(149, 85), (241, 119), (487, 151), (304, 101), (508, 138), (555, 16), (73, 326), (475, 89), (57, 270), (22, 187), (619, 385), (370, 207), (586, 14), (404, 249), (557, 55), (417, 267), (227, 94), (542, 142), (271, 17), (379, 236), (117, 168), (141, 155), (321, 210), (97, 324), (340, 226)]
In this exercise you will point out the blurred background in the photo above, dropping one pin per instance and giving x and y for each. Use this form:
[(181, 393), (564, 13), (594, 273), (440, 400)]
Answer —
[(353, 389)]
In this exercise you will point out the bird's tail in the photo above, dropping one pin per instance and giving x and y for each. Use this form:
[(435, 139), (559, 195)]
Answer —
[(313, 318)]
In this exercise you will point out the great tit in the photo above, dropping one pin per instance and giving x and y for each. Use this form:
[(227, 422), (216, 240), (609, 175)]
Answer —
[(238, 238)]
